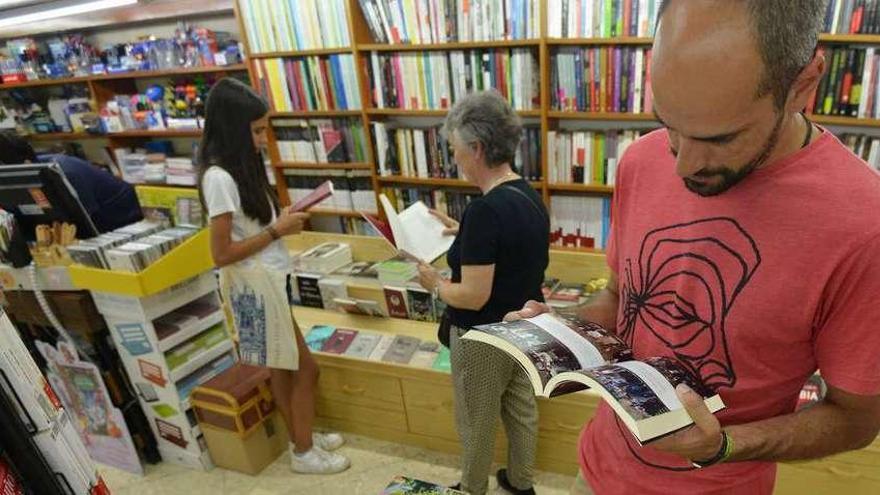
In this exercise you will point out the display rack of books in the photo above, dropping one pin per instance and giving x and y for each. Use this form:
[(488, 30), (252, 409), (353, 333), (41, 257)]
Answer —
[(167, 320)]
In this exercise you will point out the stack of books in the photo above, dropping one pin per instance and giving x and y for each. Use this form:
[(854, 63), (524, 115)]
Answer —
[(397, 272), (866, 147), (180, 172), (852, 17), (129, 249), (601, 18), (320, 140), (398, 349), (850, 85), (324, 258), (300, 25), (614, 79), (586, 157), (582, 222), (309, 83)]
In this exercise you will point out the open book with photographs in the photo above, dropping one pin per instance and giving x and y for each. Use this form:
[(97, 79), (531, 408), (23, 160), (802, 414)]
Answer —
[(563, 354)]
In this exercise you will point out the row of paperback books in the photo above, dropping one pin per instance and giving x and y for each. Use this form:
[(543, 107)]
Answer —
[(398, 349), (352, 189), (309, 83), (131, 248), (850, 85), (449, 202), (601, 18), (435, 80), (425, 152), (445, 21), (586, 157), (289, 25), (852, 17), (320, 140), (581, 222), (866, 147), (601, 79)]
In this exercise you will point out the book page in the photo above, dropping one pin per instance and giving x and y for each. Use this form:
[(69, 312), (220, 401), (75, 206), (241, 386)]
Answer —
[(582, 348), (423, 236)]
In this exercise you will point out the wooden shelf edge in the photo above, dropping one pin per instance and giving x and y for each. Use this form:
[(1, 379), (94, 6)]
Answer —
[(618, 40), (461, 45), (172, 133), (839, 120), (433, 113), (421, 181), (128, 75), (849, 38), (303, 53), (329, 166), (581, 188), (64, 136), (606, 116), (315, 113)]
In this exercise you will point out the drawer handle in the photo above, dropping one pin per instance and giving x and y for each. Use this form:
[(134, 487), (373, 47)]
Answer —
[(846, 473), (353, 390), (567, 426)]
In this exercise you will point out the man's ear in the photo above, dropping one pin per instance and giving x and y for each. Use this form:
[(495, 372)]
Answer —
[(807, 82)]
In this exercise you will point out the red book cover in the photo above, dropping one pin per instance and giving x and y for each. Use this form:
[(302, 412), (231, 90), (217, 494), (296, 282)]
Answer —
[(594, 84), (846, 87), (609, 80), (264, 83), (500, 74), (649, 94), (300, 86), (295, 102), (323, 191), (627, 17), (338, 342), (329, 90), (395, 299), (856, 24)]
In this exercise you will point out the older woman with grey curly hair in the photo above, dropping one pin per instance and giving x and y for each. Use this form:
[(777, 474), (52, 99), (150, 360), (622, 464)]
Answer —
[(497, 260)]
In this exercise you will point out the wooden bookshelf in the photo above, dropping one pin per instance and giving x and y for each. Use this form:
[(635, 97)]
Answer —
[(303, 53), (437, 182), (183, 71), (844, 121), (581, 188), (610, 116), (397, 112), (307, 114), (850, 38), (464, 45), (64, 136), (325, 166), (621, 40), (170, 133)]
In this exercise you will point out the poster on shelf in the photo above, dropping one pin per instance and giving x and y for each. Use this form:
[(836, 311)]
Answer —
[(82, 390)]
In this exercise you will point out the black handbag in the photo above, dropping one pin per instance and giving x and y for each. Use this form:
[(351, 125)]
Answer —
[(443, 330)]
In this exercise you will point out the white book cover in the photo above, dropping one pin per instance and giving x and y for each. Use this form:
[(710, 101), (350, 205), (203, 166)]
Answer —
[(638, 79), (378, 93), (551, 156), (386, 24), (588, 172), (421, 157), (416, 231), (866, 81)]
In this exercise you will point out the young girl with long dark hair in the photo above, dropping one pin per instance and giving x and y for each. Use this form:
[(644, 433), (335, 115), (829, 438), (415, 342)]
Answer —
[(246, 229)]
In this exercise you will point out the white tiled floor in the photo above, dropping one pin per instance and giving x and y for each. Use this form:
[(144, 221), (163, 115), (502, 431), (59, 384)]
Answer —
[(374, 463)]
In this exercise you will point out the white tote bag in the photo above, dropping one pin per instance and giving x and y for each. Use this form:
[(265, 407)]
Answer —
[(261, 313)]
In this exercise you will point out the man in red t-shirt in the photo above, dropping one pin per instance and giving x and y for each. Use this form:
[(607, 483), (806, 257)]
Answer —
[(745, 244)]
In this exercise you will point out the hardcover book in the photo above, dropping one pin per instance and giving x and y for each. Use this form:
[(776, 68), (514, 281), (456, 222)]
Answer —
[(340, 341), (363, 345), (401, 350), (395, 299), (318, 336), (421, 304)]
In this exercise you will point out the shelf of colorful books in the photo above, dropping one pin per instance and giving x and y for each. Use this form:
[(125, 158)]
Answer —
[(608, 116), (397, 112), (303, 53), (581, 188), (64, 136), (436, 182), (619, 40), (848, 121), (326, 166), (849, 38), (167, 133), (191, 330), (338, 213), (316, 113), (464, 45)]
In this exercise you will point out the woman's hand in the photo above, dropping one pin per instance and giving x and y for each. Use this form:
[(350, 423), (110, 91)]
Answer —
[(290, 223), (450, 224), (429, 277)]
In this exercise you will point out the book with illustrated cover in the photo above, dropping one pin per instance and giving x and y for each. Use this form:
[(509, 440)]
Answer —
[(402, 485), (309, 290), (562, 354), (381, 347), (395, 299), (401, 350), (318, 336), (425, 355), (421, 304), (331, 289), (363, 344), (339, 342)]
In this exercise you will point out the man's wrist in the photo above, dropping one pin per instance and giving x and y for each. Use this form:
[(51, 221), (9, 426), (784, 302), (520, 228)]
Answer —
[(725, 451)]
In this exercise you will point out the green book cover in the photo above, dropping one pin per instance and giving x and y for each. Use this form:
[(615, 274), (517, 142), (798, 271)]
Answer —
[(318, 335), (442, 362), (165, 410), (609, 19)]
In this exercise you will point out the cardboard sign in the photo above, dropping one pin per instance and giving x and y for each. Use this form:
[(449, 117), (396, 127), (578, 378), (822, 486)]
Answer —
[(171, 433), (134, 339), (152, 372)]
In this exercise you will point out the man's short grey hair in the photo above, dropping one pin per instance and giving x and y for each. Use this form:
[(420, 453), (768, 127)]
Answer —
[(485, 117), (787, 34)]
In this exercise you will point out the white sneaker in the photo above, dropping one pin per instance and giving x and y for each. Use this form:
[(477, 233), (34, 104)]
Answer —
[(318, 461), (328, 441)]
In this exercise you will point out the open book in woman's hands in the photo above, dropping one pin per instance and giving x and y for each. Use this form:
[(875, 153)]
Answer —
[(562, 354)]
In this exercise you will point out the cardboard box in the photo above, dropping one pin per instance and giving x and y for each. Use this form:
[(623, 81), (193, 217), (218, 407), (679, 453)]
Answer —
[(67, 457), (239, 420)]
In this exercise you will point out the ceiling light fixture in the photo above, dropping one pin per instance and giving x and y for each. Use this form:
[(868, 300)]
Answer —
[(53, 10)]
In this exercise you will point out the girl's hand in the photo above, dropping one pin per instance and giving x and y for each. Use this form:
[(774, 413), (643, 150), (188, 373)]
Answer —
[(289, 223), (450, 224)]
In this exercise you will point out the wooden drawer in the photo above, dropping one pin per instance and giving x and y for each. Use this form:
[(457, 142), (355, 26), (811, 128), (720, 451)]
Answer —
[(350, 413), (827, 477), (362, 388), (563, 418), (430, 411)]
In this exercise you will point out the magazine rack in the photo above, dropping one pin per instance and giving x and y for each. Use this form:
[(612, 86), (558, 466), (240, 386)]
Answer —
[(165, 362)]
